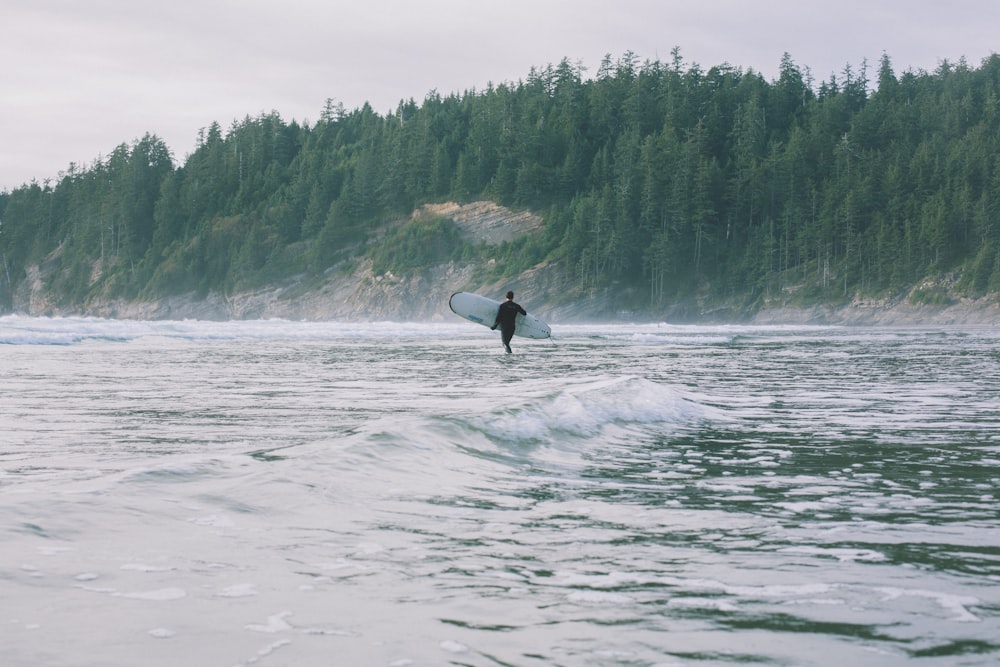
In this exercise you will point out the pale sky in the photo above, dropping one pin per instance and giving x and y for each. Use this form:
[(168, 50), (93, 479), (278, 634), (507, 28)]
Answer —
[(80, 77)]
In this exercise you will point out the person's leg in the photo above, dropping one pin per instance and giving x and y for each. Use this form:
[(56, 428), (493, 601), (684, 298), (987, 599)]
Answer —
[(505, 337)]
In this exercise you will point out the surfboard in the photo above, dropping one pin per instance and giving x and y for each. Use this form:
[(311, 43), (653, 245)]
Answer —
[(483, 310)]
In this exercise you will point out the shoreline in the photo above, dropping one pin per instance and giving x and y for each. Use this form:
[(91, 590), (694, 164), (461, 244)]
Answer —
[(359, 295), (314, 307), (967, 312)]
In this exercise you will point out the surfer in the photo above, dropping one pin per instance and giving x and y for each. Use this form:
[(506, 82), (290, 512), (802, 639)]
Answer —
[(507, 319)]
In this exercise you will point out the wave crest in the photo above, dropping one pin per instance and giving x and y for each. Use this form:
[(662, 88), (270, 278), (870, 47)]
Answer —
[(585, 411)]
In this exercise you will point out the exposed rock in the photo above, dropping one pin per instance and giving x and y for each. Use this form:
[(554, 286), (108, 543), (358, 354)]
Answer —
[(965, 312), (358, 295), (351, 291), (484, 221)]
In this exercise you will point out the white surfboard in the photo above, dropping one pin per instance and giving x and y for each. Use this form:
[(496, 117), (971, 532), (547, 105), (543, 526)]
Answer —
[(483, 310)]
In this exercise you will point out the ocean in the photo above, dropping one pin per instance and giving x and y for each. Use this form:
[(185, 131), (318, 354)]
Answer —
[(322, 493)]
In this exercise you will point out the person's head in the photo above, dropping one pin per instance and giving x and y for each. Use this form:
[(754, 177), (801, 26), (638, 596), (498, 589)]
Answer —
[(510, 296)]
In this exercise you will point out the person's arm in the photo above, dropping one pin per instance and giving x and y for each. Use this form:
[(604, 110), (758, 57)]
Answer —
[(522, 310), (496, 322)]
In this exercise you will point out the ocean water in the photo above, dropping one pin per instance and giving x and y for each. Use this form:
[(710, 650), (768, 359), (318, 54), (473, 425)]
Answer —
[(286, 493)]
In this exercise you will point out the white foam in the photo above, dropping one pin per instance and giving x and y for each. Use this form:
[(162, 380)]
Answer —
[(840, 554), (804, 507), (22, 330), (238, 591), (98, 589), (158, 595), (275, 623), (268, 650), (53, 551), (599, 597), (722, 487), (701, 603), (453, 647), (586, 410), (612, 580), (667, 339), (162, 633), (369, 548), (956, 605)]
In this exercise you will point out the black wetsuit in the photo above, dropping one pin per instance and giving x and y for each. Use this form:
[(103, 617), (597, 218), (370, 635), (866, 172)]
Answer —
[(506, 320)]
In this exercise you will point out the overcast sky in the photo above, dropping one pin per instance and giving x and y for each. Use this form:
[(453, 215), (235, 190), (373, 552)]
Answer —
[(79, 77)]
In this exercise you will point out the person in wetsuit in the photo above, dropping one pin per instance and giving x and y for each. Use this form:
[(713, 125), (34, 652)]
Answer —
[(507, 319)]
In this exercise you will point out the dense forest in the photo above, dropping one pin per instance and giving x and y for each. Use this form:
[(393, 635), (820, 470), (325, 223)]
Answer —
[(652, 178)]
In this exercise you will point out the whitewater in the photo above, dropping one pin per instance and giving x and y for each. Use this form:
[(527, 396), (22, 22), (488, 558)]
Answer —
[(329, 493)]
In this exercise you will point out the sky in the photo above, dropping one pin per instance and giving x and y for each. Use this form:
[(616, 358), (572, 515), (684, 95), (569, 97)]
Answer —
[(80, 77)]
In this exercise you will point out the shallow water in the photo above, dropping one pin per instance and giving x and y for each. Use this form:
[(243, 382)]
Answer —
[(279, 493)]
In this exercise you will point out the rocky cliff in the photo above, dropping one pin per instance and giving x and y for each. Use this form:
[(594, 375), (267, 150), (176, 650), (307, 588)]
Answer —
[(352, 291)]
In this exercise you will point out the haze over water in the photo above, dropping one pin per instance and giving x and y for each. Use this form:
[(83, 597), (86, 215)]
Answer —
[(283, 493)]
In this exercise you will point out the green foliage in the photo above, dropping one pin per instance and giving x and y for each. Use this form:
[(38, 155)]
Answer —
[(417, 244), (653, 178), (977, 277), (931, 296)]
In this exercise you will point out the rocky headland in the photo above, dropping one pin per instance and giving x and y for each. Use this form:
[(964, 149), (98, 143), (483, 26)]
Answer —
[(352, 291)]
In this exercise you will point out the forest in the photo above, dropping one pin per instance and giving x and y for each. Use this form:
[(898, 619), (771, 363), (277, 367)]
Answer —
[(653, 178)]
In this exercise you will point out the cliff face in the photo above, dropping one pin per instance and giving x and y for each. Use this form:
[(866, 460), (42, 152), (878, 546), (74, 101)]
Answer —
[(350, 291), (358, 295), (353, 292)]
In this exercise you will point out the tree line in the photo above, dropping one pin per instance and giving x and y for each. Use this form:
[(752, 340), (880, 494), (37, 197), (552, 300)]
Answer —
[(653, 178)]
